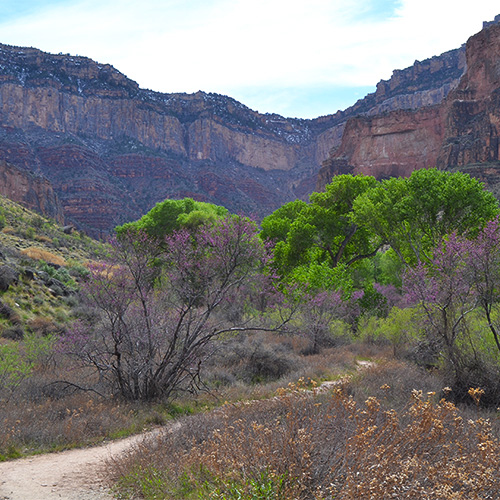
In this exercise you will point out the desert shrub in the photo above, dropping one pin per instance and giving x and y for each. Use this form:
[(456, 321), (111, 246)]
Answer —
[(268, 363), (15, 332), (402, 329), (60, 273), (392, 380), (8, 313), (313, 445), (219, 377), (37, 222), (13, 368), (18, 359), (85, 312), (253, 359), (47, 423), (39, 349), (78, 270), (29, 233), (325, 318)]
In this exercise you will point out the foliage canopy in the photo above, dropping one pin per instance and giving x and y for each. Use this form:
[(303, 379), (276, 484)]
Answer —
[(171, 215), (357, 215), (413, 214), (322, 231)]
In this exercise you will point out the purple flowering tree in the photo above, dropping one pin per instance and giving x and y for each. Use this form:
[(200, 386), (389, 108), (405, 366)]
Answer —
[(463, 275), (319, 310), (446, 293), (161, 311), (484, 271)]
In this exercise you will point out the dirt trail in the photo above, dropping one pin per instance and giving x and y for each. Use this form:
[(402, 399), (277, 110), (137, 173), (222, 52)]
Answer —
[(75, 474), (69, 475)]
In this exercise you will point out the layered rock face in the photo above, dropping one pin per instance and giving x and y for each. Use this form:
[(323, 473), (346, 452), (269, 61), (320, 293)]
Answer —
[(473, 108), (32, 191), (426, 83), (111, 150), (387, 145), (460, 130)]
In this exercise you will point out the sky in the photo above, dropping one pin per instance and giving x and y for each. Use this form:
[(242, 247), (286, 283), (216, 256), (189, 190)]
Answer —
[(297, 58)]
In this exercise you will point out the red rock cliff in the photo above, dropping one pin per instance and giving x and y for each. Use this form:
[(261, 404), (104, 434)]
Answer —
[(33, 192), (111, 150), (473, 108), (462, 130)]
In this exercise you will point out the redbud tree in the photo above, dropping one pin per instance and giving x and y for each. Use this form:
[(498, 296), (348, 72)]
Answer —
[(461, 278), (162, 310)]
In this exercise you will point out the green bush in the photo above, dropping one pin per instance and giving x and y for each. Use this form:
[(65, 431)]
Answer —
[(402, 329), (13, 367), (61, 274)]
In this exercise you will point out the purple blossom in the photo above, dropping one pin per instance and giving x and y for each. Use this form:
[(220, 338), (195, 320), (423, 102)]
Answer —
[(161, 305)]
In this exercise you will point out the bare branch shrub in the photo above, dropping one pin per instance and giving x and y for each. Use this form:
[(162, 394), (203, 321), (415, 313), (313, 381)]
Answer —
[(304, 445), (163, 306)]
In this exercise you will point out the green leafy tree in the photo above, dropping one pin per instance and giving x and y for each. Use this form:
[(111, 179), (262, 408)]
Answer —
[(172, 215), (277, 225), (322, 231), (413, 214)]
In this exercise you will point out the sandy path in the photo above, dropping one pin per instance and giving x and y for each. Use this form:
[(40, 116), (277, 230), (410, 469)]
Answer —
[(69, 475)]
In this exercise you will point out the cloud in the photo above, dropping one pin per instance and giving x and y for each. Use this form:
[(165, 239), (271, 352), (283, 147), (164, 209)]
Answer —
[(227, 46)]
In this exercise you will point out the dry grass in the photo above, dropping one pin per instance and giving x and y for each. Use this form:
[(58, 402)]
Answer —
[(42, 415), (321, 446), (43, 239), (54, 424), (37, 253)]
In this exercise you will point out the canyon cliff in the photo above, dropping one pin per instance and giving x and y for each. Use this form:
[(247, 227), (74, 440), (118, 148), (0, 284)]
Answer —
[(111, 150), (459, 131)]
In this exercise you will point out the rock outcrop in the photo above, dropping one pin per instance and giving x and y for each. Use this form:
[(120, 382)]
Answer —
[(34, 192), (460, 130), (473, 108), (388, 145)]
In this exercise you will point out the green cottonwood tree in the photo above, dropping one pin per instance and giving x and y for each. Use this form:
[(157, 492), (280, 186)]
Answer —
[(171, 215), (322, 231), (414, 214)]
